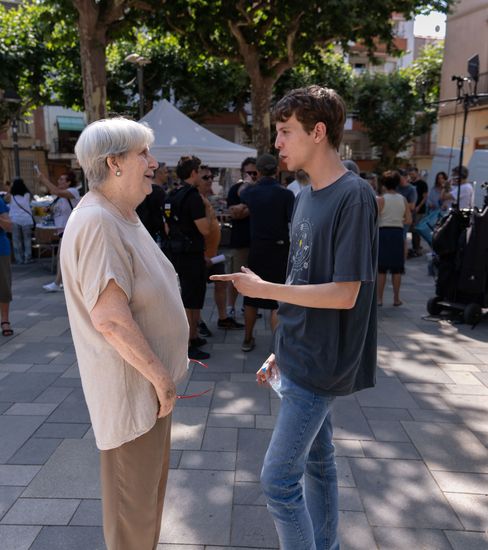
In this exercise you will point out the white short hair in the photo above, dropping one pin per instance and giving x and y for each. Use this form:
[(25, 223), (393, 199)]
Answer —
[(105, 138)]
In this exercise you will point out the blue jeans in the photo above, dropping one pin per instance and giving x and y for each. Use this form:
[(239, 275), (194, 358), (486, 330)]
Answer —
[(22, 241), (299, 476)]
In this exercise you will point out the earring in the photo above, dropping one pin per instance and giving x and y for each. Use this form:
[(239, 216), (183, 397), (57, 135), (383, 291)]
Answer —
[(118, 173)]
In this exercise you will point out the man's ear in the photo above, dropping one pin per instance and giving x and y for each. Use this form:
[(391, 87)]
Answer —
[(319, 132)]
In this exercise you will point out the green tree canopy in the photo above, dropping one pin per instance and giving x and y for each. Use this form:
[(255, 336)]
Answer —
[(397, 107), (270, 37)]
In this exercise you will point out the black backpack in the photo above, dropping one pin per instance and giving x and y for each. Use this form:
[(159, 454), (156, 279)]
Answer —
[(177, 242)]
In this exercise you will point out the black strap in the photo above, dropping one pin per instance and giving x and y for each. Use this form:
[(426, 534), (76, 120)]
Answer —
[(25, 210), (57, 199)]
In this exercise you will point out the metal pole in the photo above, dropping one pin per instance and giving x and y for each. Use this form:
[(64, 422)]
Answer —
[(140, 82), (461, 152), (15, 146)]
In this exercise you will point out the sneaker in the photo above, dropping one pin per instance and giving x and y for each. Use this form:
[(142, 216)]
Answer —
[(204, 330), (229, 324), (248, 345), (198, 354), (52, 287), (197, 342)]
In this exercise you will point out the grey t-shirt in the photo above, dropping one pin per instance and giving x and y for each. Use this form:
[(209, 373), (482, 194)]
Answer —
[(334, 239)]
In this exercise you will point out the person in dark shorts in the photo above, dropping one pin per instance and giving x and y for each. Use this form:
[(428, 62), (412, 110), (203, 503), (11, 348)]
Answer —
[(212, 241), (394, 214), (240, 235), (270, 207), (188, 223)]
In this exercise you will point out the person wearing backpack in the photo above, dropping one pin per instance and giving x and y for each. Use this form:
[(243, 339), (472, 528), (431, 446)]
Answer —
[(19, 199), (188, 222)]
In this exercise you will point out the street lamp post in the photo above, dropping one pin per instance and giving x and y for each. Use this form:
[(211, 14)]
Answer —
[(10, 96), (15, 146), (139, 61)]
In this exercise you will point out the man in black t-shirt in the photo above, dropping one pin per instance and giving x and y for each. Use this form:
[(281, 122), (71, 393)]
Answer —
[(270, 207), (326, 335), (420, 206), (240, 235), (188, 223)]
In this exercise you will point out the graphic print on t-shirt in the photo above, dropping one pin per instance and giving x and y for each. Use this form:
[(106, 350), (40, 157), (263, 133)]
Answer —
[(301, 247)]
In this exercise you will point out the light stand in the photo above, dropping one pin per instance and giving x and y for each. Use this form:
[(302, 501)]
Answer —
[(468, 97)]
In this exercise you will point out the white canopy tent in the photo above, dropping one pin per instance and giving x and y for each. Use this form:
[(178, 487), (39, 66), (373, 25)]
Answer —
[(177, 135)]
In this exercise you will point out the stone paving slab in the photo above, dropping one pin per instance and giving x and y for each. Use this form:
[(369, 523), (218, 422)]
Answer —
[(450, 447), (14, 432), (18, 537), (467, 540), (252, 527), (472, 510), (15, 475), (408, 539), (203, 511), (71, 472), (72, 537), (41, 511), (8, 496), (35, 451), (401, 493), (89, 512)]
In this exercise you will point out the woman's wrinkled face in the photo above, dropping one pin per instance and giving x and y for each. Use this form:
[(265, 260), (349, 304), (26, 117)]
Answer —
[(137, 170)]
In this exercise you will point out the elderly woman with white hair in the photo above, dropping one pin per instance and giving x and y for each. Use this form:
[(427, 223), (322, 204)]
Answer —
[(129, 329)]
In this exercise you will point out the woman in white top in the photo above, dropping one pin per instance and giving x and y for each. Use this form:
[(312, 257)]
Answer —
[(129, 329), (394, 213), (19, 199), (463, 190), (67, 197)]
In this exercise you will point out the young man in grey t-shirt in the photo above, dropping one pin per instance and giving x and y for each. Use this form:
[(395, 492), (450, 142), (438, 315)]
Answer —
[(326, 336)]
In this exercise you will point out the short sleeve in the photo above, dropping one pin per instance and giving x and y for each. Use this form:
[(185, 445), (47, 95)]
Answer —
[(354, 242), (413, 195), (195, 206), (102, 256)]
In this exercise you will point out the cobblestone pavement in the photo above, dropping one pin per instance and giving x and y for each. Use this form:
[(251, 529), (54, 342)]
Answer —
[(412, 453)]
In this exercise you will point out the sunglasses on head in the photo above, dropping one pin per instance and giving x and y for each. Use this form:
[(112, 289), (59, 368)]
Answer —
[(206, 178), (252, 173)]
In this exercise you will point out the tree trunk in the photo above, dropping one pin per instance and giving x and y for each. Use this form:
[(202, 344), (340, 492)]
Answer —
[(92, 48), (388, 158), (261, 93), (93, 27)]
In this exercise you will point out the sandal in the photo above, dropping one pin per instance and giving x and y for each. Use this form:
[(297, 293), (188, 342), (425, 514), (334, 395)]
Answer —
[(6, 331), (399, 303)]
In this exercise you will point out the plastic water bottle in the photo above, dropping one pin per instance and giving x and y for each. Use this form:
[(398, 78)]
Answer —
[(275, 381)]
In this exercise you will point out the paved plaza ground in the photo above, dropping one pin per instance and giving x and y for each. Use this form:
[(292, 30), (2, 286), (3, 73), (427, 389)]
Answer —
[(412, 453)]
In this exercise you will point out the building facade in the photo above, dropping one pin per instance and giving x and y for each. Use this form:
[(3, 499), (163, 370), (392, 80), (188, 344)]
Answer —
[(466, 35)]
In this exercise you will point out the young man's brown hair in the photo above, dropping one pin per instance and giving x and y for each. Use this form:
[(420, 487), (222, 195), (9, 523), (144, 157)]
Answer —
[(311, 105)]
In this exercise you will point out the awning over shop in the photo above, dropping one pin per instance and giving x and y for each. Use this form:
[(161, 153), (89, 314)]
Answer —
[(70, 123)]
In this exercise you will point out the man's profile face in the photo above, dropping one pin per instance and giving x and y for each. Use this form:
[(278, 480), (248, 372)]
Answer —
[(293, 143), (250, 173)]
